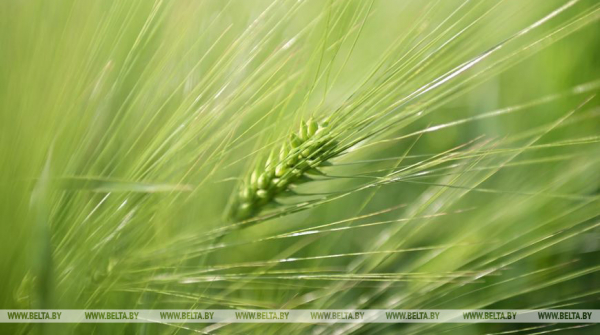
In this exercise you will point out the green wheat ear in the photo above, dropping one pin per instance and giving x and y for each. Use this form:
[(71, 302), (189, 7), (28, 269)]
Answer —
[(305, 151)]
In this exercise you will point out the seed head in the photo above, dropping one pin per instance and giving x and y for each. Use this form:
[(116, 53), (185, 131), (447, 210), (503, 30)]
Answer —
[(307, 150)]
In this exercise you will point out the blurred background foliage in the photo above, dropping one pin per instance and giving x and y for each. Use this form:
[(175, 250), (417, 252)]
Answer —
[(125, 127)]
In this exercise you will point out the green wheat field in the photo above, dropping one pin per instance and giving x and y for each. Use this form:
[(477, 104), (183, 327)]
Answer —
[(299, 154)]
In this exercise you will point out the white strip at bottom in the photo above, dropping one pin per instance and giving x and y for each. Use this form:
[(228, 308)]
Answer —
[(300, 316)]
